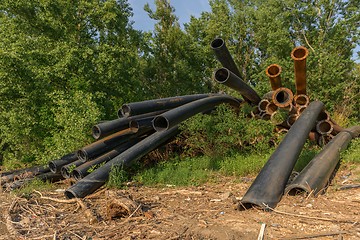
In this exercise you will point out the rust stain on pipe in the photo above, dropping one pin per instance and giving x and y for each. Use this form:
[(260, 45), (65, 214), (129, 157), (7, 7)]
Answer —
[(301, 100), (299, 55), (273, 72), (283, 98)]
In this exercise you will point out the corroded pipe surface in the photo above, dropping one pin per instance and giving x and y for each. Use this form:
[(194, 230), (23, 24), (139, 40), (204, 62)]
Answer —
[(273, 72), (268, 187), (96, 179), (23, 173), (174, 116), (223, 55), (324, 127), (315, 176), (291, 119), (283, 97), (301, 100), (271, 108), (263, 105), (299, 55), (228, 78)]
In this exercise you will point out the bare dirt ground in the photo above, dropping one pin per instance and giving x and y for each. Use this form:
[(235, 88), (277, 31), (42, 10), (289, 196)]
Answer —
[(201, 212)]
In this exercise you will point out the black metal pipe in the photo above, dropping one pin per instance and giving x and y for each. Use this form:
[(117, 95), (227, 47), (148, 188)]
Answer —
[(106, 144), (162, 104), (25, 172), (55, 165), (107, 128), (174, 116), (268, 187), (48, 176), (96, 179), (68, 168), (82, 170), (223, 55), (225, 76), (142, 124), (315, 176)]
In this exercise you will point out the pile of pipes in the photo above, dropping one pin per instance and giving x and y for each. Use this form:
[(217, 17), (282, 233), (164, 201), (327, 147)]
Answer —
[(147, 125)]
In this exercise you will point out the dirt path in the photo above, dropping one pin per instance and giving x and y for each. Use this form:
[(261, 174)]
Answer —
[(203, 212)]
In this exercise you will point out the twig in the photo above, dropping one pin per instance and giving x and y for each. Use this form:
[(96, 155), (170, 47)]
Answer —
[(74, 200), (349, 186), (134, 211), (314, 235), (262, 231)]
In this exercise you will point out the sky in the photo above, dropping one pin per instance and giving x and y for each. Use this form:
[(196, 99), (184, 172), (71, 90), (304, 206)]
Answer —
[(183, 10)]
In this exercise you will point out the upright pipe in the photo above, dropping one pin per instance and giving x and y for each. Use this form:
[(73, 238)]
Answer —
[(268, 187), (273, 72), (162, 104), (225, 76), (223, 56), (96, 179), (173, 117), (299, 55), (315, 176)]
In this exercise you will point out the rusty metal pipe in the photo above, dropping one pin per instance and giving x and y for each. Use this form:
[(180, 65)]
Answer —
[(174, 116), (162, 104), (324, 127), (268, 187), (283, 97), (263, 105), (299, 55), (225, 76), (96, 179), (301, 100), (25, 172), (271, 108), (291, 119), (315, 176), (273, 72)]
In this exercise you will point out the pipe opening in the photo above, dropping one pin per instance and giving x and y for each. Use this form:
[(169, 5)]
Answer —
[(296, 191), (221, 75), (244, 206), (299, 53), (65, 172), (301, 100), (125, 110), (271, 108), (263, 104), (52, 167), (160, 123), (217, 43), (134, 126), (96, 132), (69, 194), (323, 116), (324, 127), (273, 70), (282, 97), (77, 175), (82, 155)]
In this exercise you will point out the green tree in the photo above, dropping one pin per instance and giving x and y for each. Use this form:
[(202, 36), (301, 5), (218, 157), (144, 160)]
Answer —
[(62, 63)]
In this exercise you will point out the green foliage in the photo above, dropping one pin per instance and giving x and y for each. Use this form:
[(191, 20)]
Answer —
[(225, 131), (117, 177), (352, 154), (36, 184)]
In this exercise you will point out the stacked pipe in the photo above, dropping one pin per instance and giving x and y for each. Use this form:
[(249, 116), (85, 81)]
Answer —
[(283, 107)]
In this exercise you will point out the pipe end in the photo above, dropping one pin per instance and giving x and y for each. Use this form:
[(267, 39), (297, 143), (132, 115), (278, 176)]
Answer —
[(273, 71), (96, 132), (217, 43), (160, 123), (299, 53), (125, 111), (221, 75)]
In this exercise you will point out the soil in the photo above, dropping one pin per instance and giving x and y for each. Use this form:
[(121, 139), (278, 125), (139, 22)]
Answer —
[(171, 212)]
